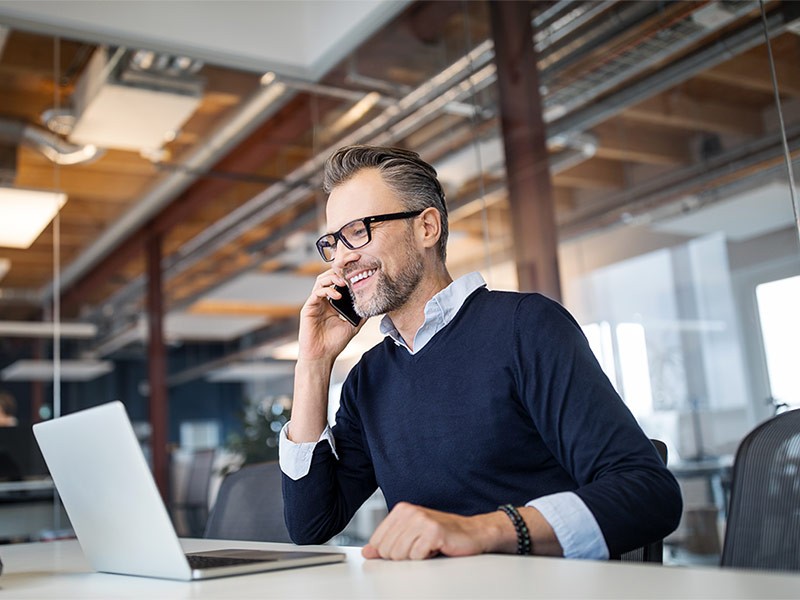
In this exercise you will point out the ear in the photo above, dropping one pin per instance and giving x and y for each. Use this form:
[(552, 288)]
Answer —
[(429, 229)]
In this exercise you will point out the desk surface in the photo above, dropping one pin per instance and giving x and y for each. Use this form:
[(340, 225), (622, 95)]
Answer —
[(59, 570)]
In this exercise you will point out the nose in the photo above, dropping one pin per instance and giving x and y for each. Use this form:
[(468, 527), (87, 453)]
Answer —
[(344, 256)]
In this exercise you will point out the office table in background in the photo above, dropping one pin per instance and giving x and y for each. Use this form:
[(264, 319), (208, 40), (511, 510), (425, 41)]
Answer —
[(59, 570)]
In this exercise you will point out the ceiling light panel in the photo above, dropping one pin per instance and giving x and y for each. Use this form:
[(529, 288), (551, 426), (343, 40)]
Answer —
[(24, 214), (129, 110), (42, 370)]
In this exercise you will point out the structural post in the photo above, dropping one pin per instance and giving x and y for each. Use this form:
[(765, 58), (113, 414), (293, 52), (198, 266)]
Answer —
[(530, 190), (157, 365)]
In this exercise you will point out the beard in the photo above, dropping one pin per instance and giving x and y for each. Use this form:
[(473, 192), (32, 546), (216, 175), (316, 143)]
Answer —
[(390, 292)]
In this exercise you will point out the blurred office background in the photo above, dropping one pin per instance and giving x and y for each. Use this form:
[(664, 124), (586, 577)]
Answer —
[(174, 152)]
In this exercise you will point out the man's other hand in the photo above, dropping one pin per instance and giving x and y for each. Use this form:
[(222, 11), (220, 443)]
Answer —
[(413, 532)]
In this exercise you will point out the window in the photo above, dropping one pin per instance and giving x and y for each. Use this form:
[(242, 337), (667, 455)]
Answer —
[(778, 303)]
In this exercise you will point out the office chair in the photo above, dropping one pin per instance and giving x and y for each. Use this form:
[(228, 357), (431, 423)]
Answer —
[(763, 530), (194, 502), (249, 506), (654, 552)]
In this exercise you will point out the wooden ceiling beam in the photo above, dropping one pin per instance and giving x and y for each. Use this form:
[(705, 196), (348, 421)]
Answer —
[(116, 187), (593, 174), (680, 111), (637, 144), (246, 309), (753, 72)]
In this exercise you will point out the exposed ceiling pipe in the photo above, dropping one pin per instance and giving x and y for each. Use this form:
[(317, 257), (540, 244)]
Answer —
[(322, 89), (671, 75), (561, 28), (551, 13), (580, 148), (251, 114), (49, 144)]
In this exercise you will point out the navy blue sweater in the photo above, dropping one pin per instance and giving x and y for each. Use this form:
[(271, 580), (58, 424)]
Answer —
[(505, 404)]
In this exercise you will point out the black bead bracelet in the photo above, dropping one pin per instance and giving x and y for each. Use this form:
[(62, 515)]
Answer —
[(524, 545)]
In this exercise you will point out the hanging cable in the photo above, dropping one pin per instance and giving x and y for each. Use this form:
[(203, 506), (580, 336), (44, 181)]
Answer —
[(787, 154), (56, 274)]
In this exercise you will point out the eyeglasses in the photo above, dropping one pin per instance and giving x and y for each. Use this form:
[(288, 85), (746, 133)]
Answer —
[(356, 234)]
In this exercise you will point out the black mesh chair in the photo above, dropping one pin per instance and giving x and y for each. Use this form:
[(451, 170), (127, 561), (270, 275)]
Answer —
[(651, 553), (193, 503), (249, 506), (763, 529)]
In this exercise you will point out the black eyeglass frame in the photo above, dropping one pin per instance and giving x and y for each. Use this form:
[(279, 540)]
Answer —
[(367, 221)]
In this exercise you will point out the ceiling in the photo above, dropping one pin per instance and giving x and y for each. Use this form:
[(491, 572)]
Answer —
[(654, 110)]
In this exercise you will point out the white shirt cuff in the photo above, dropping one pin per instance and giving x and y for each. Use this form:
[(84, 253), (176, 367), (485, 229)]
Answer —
[(574, 525), (295, 459)]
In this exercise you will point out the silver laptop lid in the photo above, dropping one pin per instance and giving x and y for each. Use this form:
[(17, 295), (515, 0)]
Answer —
[(109, 494)]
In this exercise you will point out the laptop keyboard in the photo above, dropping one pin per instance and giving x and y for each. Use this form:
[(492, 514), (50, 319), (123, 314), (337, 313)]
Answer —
[(209, 562)]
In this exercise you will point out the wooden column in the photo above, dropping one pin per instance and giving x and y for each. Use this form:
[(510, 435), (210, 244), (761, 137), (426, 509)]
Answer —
[(157, 365), (530, 190)]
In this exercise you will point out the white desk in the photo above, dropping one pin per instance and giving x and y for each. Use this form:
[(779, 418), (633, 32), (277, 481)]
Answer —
[(58, 570)]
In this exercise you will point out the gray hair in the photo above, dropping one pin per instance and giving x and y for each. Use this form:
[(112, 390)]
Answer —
[(406, 174)]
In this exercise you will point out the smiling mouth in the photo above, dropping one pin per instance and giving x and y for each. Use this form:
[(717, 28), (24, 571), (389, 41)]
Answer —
[(361, 276)]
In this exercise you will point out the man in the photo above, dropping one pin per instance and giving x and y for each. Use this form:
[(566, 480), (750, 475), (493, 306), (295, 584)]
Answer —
[(483, 416)]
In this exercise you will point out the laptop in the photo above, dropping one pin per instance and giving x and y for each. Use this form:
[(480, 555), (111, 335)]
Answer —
[(117, 513)]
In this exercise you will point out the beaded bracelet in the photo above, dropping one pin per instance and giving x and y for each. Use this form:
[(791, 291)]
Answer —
[(524, 545)]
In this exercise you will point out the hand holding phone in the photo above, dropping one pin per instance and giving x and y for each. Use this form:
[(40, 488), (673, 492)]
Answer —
[(344, 306)]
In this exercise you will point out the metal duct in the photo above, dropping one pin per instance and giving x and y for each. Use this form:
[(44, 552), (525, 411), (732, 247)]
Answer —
[(49, 144)]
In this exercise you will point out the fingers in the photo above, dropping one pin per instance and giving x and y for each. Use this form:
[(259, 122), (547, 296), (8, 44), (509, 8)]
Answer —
[(369, 551), (326, 281), (409, 532), (322, 333)]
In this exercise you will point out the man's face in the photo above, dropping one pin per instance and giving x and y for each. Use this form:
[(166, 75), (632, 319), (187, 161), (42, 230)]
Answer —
[(383, 274)]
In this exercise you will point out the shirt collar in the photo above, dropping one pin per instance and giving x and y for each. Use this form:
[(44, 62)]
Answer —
[(439, 311)]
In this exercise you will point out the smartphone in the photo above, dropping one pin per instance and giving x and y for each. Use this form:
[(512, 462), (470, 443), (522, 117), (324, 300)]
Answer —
[(344, 305)]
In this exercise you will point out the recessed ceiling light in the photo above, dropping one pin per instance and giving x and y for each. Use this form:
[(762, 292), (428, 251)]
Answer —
[(24, 214)]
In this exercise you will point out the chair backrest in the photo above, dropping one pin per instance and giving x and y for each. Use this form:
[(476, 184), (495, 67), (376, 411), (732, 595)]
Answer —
[(190, 509), (199, 480), (763, 529), (249, 506), (651, 553)]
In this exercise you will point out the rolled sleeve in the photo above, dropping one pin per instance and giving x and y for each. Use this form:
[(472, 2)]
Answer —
[(295, 459), (574, 525)]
